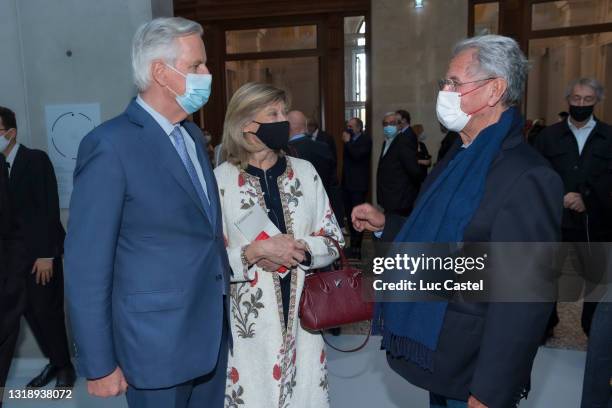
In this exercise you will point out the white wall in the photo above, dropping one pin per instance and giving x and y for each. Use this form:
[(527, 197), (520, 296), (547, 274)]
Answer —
[(35, 69)]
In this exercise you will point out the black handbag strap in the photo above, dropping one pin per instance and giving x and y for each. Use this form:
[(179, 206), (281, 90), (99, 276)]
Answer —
[(361, 346)]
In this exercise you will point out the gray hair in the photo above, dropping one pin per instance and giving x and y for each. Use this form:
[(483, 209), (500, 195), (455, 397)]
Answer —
[(156, 40), (501, 57), (388, 114), (592, 83)]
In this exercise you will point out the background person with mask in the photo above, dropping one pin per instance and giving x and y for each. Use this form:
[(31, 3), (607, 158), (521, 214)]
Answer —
[(580, 151), (319, 155), (35, 206), (355, 175), (147, 274), (398, 177)]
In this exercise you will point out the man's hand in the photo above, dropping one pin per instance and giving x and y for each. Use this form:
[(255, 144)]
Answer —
[(43, 268), (112, 385), (366, 217), (574, 202), (474, 403), (346, 137)]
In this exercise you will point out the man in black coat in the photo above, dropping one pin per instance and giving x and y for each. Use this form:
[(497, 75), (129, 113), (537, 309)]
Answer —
[(355, 175), (485, 351), (319, 135), (319, 155), (580, 151), (12, 278), (35, 206), (399, 176)]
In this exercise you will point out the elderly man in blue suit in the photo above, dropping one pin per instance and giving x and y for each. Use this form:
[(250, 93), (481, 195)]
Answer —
[(146, 268)]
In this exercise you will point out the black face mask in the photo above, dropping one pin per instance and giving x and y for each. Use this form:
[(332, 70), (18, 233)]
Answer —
[(274, 135), (580, 113)]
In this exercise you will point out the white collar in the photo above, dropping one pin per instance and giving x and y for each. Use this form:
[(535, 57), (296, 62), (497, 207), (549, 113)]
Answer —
[(11, 157), (163, 122)]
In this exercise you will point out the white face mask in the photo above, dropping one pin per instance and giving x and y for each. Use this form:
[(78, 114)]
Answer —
[(4, 142), (448, 109)]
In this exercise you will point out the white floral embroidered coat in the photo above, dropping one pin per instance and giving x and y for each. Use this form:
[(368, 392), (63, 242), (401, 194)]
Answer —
[(272, 366)]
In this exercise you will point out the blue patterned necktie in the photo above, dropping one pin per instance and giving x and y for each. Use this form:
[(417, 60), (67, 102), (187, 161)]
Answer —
[(179, 143)]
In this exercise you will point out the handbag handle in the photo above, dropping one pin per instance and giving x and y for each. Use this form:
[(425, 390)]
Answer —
[(361, 346), (343, 261)]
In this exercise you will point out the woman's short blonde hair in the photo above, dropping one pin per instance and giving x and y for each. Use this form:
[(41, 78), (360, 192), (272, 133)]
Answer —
[(246, 103)]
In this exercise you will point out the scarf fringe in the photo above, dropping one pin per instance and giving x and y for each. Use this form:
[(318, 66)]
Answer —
[(405, 347)]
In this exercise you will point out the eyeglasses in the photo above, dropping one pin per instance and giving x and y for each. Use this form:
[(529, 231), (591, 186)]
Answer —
[(588, 100), (390, 123), (452, 85)]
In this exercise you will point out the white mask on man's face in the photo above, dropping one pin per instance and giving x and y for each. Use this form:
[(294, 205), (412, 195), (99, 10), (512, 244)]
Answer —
[(448, 109), (4, 141)]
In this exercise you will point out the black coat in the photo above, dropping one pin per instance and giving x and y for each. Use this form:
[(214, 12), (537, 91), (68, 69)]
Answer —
[(12, 267), (449, 140), (320, 156), (399, 176), (326, 138), (35, 204), (487, 349), (589, 174), (356, 164)]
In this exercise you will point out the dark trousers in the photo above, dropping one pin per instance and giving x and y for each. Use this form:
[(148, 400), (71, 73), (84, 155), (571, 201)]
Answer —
[(585, 270), (44, 312), (12, 298), (596, 389), (206, 391), (353, 199), (438, 401)]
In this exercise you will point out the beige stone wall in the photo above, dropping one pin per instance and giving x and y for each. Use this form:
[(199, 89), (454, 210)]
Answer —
[(410, 52)]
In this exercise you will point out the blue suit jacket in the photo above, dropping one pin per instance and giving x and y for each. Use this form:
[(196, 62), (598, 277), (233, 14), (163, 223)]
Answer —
[(146, 269)]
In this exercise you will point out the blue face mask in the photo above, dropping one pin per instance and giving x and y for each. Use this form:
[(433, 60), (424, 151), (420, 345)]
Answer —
[(390, 131), (197, 91)]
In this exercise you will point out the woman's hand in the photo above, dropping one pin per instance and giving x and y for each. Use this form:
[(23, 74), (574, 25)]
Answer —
[(280, 249)]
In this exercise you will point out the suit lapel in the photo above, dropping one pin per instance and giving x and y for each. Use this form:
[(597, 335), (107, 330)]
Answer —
[(162, 148), (209, 177)]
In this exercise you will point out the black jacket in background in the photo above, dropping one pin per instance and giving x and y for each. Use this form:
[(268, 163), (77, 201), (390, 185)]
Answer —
[(35, 204), (449, 140), (399, 176), (356, 164), (589, 174), (5, 217), (319, 155), (326, 138), (487, 349)]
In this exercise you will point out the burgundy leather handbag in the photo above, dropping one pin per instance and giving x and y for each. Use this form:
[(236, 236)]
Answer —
[(335, 298)]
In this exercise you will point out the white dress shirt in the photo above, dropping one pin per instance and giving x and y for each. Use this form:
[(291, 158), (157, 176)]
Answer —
[(11, 157), (583, 133), (168, 127)]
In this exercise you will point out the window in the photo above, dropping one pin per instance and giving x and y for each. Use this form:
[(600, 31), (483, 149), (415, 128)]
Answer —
[(355, 63), (486, 18), (558, 14), (298, 76), (271, 39)]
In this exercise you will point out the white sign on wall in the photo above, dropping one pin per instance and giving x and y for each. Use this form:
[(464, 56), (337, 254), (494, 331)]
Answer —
[(66, 126)]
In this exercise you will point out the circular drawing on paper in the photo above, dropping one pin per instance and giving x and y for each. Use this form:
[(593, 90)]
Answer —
[(67, 131)]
